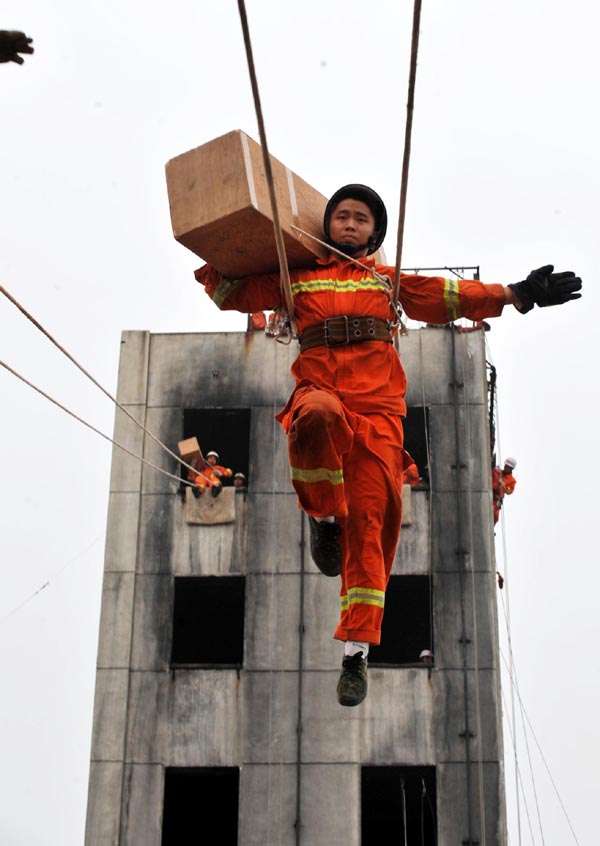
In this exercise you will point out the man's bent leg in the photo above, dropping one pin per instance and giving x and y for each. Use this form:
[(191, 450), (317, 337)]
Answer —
[(319, 437)]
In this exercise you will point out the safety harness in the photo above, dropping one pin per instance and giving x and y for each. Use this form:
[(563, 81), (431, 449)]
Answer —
[(344, 329)]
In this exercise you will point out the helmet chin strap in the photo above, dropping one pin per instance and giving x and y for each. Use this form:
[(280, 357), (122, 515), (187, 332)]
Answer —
[(349, 249)]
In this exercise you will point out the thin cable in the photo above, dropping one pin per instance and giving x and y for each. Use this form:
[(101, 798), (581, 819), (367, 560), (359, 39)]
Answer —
[(519, 786), (93, 428), (524, 712), (533, 784), (508, 631), (342, 255), (407, 143), (285, 275), (38, 325), (49, 581)]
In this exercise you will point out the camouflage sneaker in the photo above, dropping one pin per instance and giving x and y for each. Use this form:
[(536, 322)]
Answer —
[(325, 546), (352, 686)]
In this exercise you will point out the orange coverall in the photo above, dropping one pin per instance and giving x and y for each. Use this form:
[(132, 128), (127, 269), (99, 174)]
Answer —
[(344, 417), (502, 483), (411, 474), (208, 476)]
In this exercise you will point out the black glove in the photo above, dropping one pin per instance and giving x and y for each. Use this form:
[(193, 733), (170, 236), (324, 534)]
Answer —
[(12, 43), (544, 288)]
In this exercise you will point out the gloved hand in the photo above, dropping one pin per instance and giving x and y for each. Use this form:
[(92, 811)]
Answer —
[(545, 288), (12, 43)]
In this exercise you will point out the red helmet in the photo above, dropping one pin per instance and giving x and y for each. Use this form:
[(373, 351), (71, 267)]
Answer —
[(372, 199)]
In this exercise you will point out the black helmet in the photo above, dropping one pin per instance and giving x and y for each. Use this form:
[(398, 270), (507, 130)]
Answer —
[(373, 201)]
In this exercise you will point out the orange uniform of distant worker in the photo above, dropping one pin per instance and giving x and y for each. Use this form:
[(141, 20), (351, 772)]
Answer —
[(503, 484), (210, 474)]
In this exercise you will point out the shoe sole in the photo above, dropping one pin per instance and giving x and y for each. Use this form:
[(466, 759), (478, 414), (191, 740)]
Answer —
[(349, 703)]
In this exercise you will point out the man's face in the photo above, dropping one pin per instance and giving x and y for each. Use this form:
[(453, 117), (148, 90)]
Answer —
[(212, 460), (352, 222)]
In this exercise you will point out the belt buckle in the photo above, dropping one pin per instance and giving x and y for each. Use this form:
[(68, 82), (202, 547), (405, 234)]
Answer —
[(330, 342)]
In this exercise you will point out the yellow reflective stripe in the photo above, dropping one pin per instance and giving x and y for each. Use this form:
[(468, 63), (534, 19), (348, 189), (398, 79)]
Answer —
[(319, 474), (339, 285), (224, 289), (362, 596), (451, 298)]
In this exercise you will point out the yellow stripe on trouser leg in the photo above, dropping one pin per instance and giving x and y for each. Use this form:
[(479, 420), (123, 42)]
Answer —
[(319, 474), (362, 596)]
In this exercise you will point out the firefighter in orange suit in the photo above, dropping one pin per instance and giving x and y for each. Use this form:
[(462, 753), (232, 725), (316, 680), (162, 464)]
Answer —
[(210, 475), (344, 417), (503, 484)]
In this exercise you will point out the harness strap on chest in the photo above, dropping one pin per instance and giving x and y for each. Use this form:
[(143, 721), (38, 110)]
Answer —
[(342, 330)]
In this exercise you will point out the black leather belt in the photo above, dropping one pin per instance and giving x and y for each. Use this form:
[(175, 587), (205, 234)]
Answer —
[(338, 331)]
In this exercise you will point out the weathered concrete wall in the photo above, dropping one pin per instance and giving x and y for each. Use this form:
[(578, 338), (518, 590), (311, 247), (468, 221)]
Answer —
[(148, 716)]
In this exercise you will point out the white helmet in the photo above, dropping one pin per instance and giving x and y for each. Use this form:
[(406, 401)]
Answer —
[(212, 452), (510, 462)]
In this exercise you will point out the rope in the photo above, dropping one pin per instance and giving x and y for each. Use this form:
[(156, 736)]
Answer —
[(519, 780), (508, 626), (540, 750), (38, 325), (285, 276), (49, 580), (385, 280), (407, 144), (287, 291), (93, 428)]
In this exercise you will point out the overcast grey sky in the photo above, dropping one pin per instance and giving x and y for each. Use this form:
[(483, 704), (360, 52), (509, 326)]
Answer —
[(504, 174)]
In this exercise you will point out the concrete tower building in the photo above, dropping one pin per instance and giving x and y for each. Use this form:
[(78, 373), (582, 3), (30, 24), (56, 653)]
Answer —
[(216, 719)]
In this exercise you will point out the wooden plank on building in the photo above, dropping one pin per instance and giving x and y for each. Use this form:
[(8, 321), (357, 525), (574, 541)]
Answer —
[(209, 509)]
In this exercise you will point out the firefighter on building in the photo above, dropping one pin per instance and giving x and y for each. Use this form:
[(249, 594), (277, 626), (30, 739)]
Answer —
[(503, 484), (210, 475)]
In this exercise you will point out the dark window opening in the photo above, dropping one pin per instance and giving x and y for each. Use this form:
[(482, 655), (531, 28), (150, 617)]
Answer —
[(416, 430), (224, 430), (407, 628), (208, 620), (199, 801), (389, 795)]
